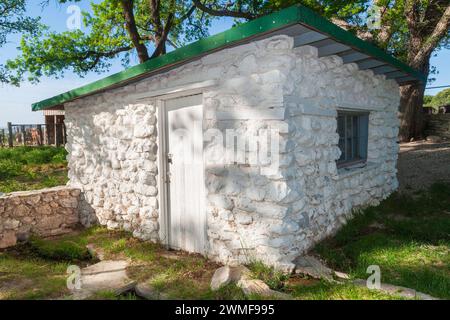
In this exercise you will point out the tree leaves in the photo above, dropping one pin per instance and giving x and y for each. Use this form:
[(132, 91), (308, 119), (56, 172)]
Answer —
[(106, 34), (13, 20), (160, 23)]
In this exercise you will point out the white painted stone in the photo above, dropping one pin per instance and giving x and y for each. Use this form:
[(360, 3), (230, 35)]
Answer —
[(113, 146)]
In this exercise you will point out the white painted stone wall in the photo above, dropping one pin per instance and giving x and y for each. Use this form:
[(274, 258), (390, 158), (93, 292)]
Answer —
[(252, 214), (328, 195)]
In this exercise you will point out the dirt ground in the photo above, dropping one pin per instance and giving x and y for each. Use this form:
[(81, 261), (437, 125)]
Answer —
[(421, 163)]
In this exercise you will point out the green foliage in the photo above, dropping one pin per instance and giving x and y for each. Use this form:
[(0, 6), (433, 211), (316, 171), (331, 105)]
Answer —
[(9, 169), (13, 20), (29, 168), (102, 37), (34, 155), (64, 250), (442, 98), (427, 100)]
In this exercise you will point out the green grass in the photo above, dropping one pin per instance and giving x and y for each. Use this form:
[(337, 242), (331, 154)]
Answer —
[(323, 290), (175, 274), (31, 277), (407, 236), (31, 168), (274, 279), (63, 250)]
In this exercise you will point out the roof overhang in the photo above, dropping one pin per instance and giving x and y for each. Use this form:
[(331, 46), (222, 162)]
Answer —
[(304, 25)]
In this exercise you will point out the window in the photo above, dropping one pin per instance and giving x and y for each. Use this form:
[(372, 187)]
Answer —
[(352, 128)]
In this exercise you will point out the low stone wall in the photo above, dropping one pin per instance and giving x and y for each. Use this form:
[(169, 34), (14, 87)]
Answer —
[(438, 125), (45, 212)]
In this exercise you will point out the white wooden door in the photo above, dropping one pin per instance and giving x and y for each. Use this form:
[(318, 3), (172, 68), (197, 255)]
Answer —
[(185, 171)]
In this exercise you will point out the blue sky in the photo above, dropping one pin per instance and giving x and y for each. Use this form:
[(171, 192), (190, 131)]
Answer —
[(15, 102)]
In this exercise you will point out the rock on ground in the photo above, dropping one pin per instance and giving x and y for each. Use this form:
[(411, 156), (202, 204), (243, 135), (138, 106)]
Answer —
[(398, 290), (242, 277), (258, 287), (434, 139), (226, 275), (311, 266), (106, 275)]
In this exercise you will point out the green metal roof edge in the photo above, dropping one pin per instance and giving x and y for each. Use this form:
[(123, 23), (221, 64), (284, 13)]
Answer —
[(312, 19), (291, 15)]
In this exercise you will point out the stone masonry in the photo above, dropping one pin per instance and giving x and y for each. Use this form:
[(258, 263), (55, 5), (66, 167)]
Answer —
[(251, 214), (45, 212)]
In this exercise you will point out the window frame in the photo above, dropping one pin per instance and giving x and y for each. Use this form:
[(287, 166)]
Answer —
[(361, 136)]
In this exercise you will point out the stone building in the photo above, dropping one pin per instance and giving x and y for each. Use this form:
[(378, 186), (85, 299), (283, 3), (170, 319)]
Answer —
[(253, 144)]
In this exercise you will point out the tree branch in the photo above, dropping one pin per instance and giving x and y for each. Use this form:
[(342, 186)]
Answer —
[(224, 12), (130, 24), (160, 46), (362, 34), (430, 44), (99, 55)]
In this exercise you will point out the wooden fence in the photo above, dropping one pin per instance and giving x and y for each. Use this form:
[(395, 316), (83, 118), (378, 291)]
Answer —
[(438, 125), (33, 135)]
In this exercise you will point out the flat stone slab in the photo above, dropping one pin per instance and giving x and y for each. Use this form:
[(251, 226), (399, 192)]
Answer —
[(226, 275), (106, 275), (398, 290), (341, 275), (258, 287), (311, 266)]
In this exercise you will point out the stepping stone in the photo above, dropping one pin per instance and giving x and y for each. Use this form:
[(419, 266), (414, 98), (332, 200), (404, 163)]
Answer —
[(311, 266), (242, 277), (226, 275), (341, 275), (398, 290), (221, 278), (377, 225), (106, 275), (258, 287)]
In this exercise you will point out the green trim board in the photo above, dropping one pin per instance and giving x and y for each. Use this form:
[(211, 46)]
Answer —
[(293, 15)]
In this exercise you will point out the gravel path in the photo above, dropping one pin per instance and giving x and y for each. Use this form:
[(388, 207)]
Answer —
[(422, 163)]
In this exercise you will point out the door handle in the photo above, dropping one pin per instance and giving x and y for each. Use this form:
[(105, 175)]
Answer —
[(170, 158)]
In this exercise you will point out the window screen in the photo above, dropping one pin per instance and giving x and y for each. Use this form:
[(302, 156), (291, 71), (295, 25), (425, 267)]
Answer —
[(353, 130)]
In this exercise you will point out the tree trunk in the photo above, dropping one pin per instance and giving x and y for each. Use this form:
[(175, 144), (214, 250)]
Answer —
[(411, 117), (130, 24), (411, 102)]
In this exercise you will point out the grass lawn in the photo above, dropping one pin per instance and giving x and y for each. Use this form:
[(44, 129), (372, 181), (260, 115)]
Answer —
[(37, 270), (31, 168), (407, 237)]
